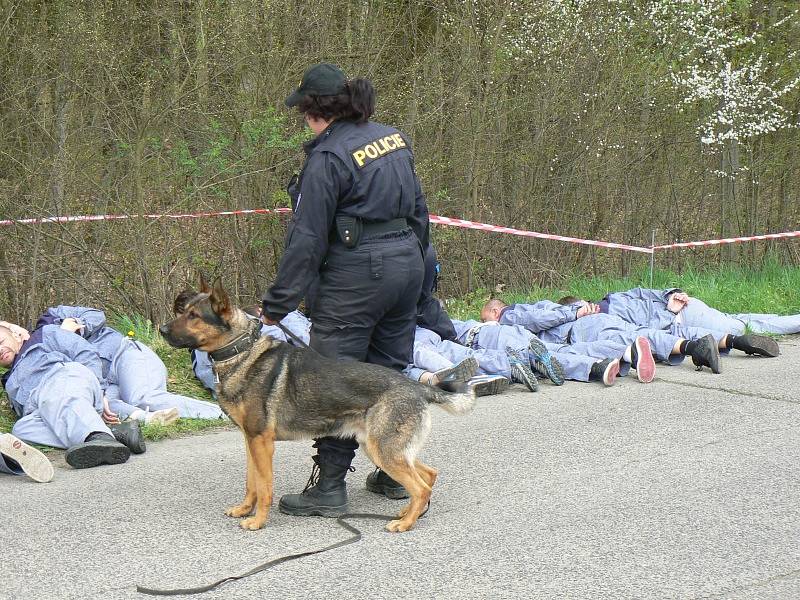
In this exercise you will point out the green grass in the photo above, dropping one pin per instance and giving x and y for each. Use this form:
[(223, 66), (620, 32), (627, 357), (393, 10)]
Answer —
[(772, 289)]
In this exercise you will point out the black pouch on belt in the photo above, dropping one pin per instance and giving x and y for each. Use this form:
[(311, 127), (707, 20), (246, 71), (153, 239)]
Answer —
[(349, 230)]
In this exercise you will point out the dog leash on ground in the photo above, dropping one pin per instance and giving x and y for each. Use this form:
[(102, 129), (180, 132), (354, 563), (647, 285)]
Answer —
[(341, 521)]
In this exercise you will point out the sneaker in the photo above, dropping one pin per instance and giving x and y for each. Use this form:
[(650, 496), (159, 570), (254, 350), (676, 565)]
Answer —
[(757, 344), (488, 385), (165, 416), (129, 433), (521, 370), (706, 354), (457, 373), (606, 371), (32, 462), (545, 363), (643, 363)]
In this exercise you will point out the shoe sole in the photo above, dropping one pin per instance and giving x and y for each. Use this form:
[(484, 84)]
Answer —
[(94, 456), (330, 512), (763, 346), (458, 373), (490, 387), (32, 462), (527, 377), (392, 493), (645, 363), (164, 417), (611, 372), (546, 363)]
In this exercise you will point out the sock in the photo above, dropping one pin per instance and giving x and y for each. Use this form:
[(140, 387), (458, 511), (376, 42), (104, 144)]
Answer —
[(688, 346), (627, 356), (730, 341), (99, 435)]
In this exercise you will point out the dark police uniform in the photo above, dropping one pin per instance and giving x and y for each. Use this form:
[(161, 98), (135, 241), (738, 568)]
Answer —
[(430, 312), (356, 237)]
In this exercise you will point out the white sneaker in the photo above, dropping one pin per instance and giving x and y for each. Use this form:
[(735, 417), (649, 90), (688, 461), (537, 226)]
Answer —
[(32, 462), (166, 416)]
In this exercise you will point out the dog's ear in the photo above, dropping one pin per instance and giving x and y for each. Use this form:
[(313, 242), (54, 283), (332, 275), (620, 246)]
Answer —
[(220, 302), (204, 287)]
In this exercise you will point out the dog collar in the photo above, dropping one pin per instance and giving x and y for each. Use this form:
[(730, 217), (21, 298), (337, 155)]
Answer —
[(241, 344)]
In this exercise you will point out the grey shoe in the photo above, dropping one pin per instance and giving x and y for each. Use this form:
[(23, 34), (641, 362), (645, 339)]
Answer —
[(488, 385), (459, 373), (545, 363), (520, 370)]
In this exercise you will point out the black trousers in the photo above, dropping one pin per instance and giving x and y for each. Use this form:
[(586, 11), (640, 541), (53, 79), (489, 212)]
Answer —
[(365, 308)]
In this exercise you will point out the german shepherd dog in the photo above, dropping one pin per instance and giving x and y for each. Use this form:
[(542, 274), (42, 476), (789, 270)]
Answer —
[(274, 391)]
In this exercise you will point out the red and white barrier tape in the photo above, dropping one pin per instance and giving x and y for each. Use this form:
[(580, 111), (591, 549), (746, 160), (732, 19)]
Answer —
[(433, 218), (533, 234), (750, 238)]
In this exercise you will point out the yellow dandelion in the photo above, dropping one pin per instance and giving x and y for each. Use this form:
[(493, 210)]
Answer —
[(131, 333)]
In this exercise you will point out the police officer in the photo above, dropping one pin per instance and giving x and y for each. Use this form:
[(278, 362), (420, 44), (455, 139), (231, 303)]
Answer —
[(356, 237)]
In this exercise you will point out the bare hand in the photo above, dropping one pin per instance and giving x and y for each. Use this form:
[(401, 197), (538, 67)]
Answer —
[(71, 324), (588, 308), (267, 321), (677, 302), (108, 417)]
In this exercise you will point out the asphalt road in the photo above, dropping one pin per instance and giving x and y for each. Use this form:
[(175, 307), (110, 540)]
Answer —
[(684, 488)]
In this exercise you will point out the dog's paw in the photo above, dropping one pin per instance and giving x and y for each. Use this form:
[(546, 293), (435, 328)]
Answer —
[(252, 523), (240, 510), (399, 525)]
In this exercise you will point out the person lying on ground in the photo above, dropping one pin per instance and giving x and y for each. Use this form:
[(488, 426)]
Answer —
[(644, 313), (590, 361), (137, 377), (56, 386), (570, 321), (18, 458), (674, 310)]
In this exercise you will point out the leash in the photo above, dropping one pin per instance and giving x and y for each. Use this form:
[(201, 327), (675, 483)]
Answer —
[(288, 332), (341, 521)]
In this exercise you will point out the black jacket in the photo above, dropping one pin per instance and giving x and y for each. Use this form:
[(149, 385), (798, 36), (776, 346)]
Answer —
[(360, 170)]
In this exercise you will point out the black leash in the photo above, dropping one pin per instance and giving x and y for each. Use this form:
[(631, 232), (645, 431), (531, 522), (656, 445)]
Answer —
[(341, 521), (288, 332)]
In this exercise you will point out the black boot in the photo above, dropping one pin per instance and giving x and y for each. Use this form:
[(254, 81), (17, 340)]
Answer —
[(98, 449), (756, 344), (379, 482), (130, 434), (325, 494)]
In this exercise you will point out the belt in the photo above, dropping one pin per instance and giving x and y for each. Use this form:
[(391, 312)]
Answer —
[(384, 227)]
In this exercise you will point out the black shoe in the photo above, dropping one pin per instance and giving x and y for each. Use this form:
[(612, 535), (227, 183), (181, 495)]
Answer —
[(99, 451), (130, 434), (488, 385), (457, 373), (757, 344), (325, 494), (706, 354), (379, 482), (521, 370), (545, 363)]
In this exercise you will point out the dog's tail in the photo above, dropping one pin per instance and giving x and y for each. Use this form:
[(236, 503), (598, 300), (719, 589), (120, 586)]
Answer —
[(460, 403)]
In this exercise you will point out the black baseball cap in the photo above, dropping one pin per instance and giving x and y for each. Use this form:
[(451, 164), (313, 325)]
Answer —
[(323, 79)]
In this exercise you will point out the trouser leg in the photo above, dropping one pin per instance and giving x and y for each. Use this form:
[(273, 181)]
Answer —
[(64, 410)]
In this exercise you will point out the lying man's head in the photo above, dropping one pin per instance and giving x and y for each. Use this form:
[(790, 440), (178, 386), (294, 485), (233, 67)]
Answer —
[(10, 344), (492, 310), (567, 300)]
